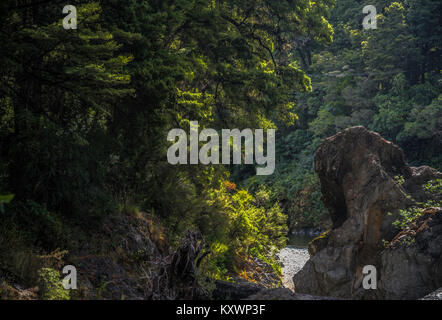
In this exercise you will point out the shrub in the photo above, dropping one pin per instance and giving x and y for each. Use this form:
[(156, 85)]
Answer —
[(51, 286)]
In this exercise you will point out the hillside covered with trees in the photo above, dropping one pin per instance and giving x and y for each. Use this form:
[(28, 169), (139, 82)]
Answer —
[(85, 113)]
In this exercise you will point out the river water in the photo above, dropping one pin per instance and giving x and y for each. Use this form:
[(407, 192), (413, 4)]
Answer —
[(293, 257)]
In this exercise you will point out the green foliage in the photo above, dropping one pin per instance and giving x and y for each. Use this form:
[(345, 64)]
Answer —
[(4, 199), (382, 79), (248, 227), (255, 229), (294, 184), (434, 187), (51, 285), (409, 215), (399, 180), (84, 114)]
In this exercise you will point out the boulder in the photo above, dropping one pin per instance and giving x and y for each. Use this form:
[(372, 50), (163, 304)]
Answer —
[(284, 294), (365, 182), (235, 290), (241, 289), (411, 265), (436, 295)]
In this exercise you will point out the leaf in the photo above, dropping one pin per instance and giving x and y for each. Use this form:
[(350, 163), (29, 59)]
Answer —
[(6, 198)]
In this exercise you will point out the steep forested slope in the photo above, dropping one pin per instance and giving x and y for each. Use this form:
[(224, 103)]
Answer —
[(85, 114)]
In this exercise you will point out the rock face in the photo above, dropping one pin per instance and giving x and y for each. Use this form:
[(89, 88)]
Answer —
[(436, 295), (412, 262), (361, 175)]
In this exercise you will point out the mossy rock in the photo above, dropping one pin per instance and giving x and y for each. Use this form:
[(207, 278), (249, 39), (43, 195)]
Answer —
[(318, 243)]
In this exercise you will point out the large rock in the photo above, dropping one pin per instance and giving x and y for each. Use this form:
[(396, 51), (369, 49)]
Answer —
[(411, 265), (436, 295), (284, 294), (365, 181), (235, 290), (244, 290)]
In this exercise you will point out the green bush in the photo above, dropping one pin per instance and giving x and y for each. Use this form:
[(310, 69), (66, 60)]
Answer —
[(253, 227), (51, 286), (409, 215)]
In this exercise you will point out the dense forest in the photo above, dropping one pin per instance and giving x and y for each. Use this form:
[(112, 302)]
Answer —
[(387, 80), (85, 113)]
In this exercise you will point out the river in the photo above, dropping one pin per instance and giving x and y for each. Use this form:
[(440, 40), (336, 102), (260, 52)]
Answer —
[(293, 257)]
